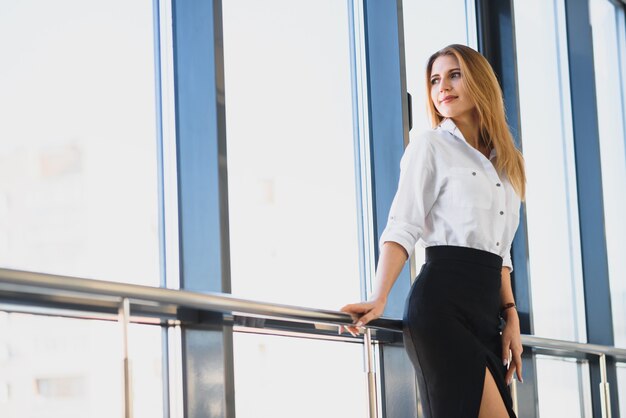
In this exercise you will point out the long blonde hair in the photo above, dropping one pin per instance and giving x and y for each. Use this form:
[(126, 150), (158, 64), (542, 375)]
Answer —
[(482, 85)]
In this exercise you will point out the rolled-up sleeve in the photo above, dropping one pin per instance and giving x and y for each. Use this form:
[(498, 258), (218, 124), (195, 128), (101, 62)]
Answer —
[(506, 260), (415, 196)]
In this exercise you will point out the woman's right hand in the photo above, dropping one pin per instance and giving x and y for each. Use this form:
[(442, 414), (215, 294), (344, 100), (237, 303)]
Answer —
[(362, 313)]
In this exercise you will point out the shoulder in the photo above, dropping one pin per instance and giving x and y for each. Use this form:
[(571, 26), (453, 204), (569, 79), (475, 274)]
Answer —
[(426, 139), (422, 149), (426, 143)]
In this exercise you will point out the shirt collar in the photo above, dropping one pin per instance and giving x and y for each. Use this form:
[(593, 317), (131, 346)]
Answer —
[(448, 125)]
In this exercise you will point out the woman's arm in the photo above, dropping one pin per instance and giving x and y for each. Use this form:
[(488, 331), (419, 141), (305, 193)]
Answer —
[(511, 338), (393, 256)]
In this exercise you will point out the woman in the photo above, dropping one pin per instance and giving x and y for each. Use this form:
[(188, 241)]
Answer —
[(459, 194)]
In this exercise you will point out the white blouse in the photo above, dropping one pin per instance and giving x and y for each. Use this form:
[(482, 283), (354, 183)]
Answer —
[(450, 194)]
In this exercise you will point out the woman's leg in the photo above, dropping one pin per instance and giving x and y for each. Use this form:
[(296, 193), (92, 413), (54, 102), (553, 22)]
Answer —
[(491, 404)]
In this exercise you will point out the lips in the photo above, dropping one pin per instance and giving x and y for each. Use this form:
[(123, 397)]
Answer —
[(448, 99)]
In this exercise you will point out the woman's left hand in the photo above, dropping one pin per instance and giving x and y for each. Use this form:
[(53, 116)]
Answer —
[(512, 342)]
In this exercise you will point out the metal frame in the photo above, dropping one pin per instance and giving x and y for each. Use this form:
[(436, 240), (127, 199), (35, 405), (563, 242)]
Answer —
[(207, 355)]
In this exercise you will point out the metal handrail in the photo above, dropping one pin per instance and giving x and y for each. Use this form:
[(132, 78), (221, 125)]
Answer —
[(97, 296), (23, 287), (573, 347), (72, 292)]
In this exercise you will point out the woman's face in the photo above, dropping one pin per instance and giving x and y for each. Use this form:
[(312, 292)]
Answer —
[(447, 90)]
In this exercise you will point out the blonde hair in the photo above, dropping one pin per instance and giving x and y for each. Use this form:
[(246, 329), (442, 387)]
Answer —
[(482, 85)]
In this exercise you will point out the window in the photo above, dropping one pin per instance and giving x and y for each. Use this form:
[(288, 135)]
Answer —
[(78, 197), (291, 154), (59, 367), (292, 199), (78, 175), (607, 24), (563, 387), (275, 376), (551, 201)]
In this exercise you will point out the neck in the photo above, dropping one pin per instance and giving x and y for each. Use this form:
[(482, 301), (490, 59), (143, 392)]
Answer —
[(468, 125)]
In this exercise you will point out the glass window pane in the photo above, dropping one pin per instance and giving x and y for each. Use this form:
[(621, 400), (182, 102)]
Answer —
[(64, 368), (621, 388), (551, 204), (275, 376), (563, 388), (422, 37), (78, 179), (291, 165), (607, 23)]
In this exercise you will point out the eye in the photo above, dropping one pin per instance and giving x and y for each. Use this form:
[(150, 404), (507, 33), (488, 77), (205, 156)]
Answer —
[(455, 74), (433, 81)]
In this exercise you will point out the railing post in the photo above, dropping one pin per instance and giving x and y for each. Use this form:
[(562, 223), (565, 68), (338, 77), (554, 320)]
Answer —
[(124, 319), (370, 370), (605, 395)]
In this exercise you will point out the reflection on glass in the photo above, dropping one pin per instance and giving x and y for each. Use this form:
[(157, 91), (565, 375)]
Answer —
[(291, 168), (78, 189), (423, 35), (551, 204), (67, 368), (281, 377), (607, 23), (563, 388)]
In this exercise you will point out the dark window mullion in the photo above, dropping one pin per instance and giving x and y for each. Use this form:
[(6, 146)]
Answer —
[(496, 39), (208, 383)]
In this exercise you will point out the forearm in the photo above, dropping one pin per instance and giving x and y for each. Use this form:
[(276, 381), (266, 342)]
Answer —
[(392, 259)]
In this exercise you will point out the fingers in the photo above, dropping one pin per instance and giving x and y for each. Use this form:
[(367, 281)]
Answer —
[(365, 319), (506, 353), (357, 308), (515, 367), (353, 330), (361, 314)]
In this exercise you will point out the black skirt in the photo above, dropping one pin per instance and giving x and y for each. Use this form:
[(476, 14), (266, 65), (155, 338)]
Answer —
[(452, 330)]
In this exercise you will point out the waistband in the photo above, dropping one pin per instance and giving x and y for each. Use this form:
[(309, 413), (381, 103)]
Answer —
[(471, 255)]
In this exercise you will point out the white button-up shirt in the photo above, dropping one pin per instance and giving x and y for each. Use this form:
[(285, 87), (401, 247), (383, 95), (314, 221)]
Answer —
[(450, 194)]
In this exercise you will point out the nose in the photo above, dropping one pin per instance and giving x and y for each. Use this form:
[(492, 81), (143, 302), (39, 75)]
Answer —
[(444, 85)]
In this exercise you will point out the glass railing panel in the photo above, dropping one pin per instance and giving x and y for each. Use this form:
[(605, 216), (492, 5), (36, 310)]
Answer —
[(563, 387), (53, 367), (78, 175), (282, 377), (291, 152)]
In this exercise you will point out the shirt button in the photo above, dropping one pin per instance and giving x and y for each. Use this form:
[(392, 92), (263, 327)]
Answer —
[(501, 213), (498, 184), (497, 243), (473, 173)]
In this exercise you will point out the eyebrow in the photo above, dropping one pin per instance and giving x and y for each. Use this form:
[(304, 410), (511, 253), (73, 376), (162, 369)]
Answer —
[(452, 69)]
